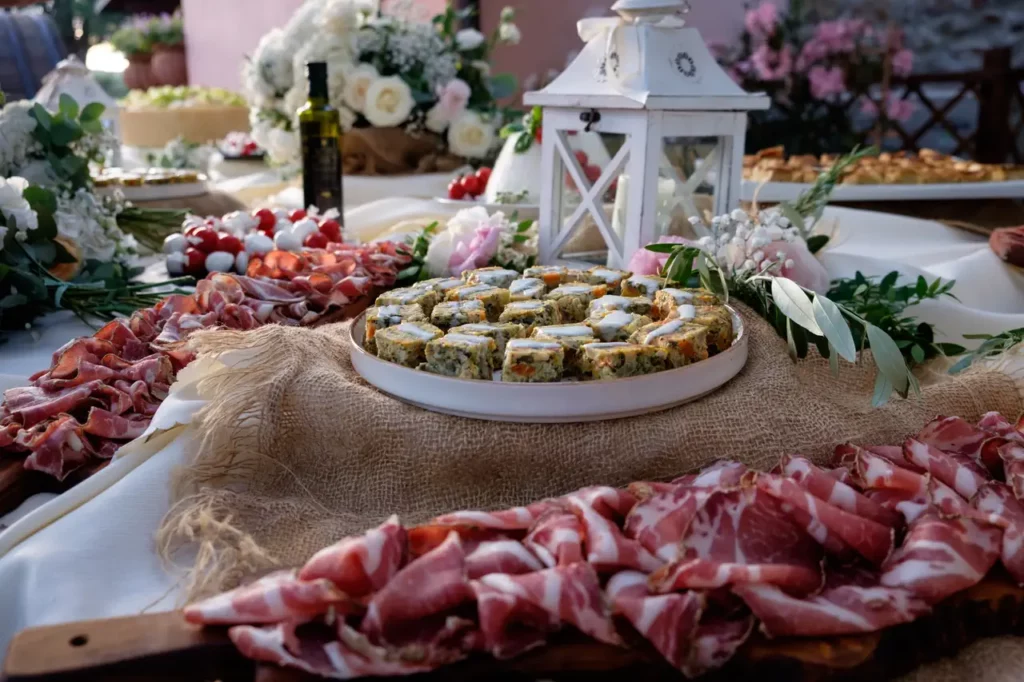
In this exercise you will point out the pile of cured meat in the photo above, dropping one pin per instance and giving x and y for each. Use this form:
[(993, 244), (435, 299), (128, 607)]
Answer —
[(101, 391), (693, 566)]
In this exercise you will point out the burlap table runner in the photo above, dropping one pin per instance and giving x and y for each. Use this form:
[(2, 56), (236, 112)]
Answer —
[(296, 450)]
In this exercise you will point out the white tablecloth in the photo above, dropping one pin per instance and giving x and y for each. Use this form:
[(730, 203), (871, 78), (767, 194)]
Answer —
[(99, 559)]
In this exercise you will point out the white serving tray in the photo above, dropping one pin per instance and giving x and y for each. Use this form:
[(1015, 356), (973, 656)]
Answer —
[(181, 190), (788, 191), (564, 402)]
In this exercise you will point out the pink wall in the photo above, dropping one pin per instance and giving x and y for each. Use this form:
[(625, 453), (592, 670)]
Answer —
[(549, 29)]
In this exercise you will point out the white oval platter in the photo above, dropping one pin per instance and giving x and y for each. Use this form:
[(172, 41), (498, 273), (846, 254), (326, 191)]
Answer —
[(564, 402)]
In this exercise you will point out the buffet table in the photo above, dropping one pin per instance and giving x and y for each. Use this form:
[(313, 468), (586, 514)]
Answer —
[(91, 554)]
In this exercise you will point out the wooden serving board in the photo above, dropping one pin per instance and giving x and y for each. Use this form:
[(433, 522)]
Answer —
[(163, 646)]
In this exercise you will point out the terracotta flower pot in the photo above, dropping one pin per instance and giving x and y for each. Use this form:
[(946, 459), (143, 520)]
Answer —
[(138, 75), (169, 65)]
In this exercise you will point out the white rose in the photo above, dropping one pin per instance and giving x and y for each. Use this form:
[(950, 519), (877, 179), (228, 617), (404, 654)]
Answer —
[(461, 228), (388, 102), (470, 136), (14, 207), (469, 39), (283, 146), (357, 83), (509, 34)]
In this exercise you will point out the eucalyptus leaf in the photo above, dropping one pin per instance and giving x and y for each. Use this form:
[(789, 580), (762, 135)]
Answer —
[(917, 353), (663, 248), (888, 358), (790, 211), (13, 301), (58, 295), (833, 361), (68, 105), (834, 327), (790, 341), (962, 364), (92, 112), (794, 304), (883, 390), (42, 116), (817, 242)]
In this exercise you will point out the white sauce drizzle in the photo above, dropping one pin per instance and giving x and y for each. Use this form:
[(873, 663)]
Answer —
[(531, 344), (574, 330), (469, 338), (679, 295), (475, 289), (686, 312), (648, 283), (667, 328), (525, 305), (413, 330)]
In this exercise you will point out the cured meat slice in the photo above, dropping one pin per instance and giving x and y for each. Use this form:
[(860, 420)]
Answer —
[(556, 539), (832, 527), (942, 556), (517, 518), (360, 565), (998, 500), (423, 539), (667, 621), (852, 602), (106, 424), (66, 401), (963, 477), (743, 536), (56, 448), (598, 509), (570, 593), (264, 291), (510, 624), (827, 487), (276, 597), (1012, 455), (501, 556), (426, 588), (659, 522), (716, 641), (954, 435), (722, 474)]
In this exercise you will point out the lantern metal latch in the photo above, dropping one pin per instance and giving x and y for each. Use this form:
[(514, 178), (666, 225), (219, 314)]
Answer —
[(590, 118)]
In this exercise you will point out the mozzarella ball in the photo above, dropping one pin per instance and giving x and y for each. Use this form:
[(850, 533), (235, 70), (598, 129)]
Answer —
[(241, 262), (175, 243), (258, 244), (176, 263), (220, 261), (286, 241), (304, 228)]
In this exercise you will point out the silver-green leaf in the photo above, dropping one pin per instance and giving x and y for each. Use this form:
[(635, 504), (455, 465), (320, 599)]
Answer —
[(794, 304), (833, 360), (888, 358), (883, 389), (791, 342), (834, 327)]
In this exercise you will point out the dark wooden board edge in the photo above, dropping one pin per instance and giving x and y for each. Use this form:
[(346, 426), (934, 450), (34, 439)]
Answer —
[(162, 646)]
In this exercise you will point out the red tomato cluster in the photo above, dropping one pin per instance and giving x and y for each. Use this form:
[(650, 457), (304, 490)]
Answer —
[(469, 186)]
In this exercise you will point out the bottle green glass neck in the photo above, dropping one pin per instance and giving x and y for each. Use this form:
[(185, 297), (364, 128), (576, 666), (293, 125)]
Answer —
[(318, 101)]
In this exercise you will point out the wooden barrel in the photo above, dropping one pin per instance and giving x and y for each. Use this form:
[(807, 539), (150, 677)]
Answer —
[(30, 47)]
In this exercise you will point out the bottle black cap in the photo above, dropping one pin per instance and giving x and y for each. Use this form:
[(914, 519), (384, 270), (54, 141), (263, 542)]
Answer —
[(316, 72)]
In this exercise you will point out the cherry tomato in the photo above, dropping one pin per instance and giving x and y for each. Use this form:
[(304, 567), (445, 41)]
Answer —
[(332, 230), (296, 216), (195, 264), (582, 157), (483, 174), (539, 135), (229, 242), (204, 239), (315, 240), (592, 172), (455, 190), (471, 185), (267, 218), (191, 229)]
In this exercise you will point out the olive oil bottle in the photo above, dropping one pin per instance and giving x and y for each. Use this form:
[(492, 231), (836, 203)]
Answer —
[(320, 129)]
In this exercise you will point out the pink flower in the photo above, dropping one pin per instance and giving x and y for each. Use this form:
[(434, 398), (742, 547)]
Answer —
[(896, 109), (453, 97), (826, 82), (799, 264), (770, 65), (646, 262), (761, 21), (903, 62), (478, 252), (813, 51), (840, 36)]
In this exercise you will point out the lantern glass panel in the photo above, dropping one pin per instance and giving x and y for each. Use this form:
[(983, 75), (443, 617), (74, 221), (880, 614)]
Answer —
[(689, 173)]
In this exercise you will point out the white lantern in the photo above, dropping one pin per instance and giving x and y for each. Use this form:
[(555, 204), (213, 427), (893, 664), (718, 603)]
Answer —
[(72, 77), (673, 120)]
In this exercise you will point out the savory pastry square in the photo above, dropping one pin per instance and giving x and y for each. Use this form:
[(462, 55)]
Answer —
[(406, 343), (424, 298), (572, 337), (533, 360), (463, 356), (610, 277), (552, 275), (527, 288), (620, 360), (718, 321), (685, 342), (616, 325), (668, 299), (638, 305), (573, 300), (642, 285), (382, 317), (440, 284), (494, 276), (531, 314), (500, 332), (494, 299), (453, 313)]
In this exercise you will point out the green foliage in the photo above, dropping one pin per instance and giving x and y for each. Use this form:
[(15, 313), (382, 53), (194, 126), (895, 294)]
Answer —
[(417, 250), (58, 133), (811, 203), (991, 346), (530, 124)]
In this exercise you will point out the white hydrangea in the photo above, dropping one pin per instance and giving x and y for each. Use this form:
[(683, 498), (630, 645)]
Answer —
[(15, 208), (16, 141), (268, 74), (83, 218)]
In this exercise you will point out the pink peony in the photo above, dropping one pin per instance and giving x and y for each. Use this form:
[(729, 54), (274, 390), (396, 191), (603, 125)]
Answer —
[(453, 97), (799, 264), (761, 21), (896, 110), (770, 65), (840, 36), (478, 252), (903, 62), (826, 81), (646, 262)]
